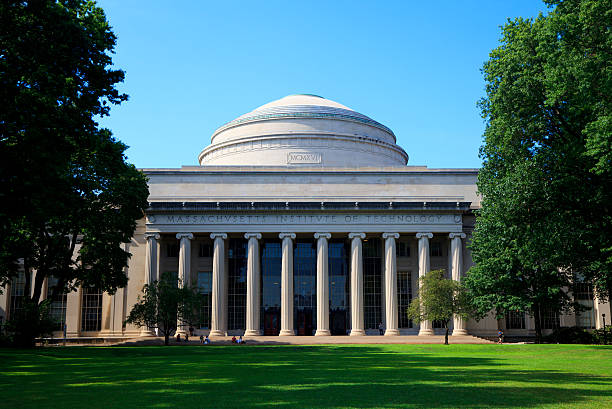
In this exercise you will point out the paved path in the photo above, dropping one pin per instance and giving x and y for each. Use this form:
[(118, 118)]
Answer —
[(302, 340)]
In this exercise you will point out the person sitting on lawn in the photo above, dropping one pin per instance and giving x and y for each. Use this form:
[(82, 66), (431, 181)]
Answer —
[(206, 340), (186, 337), (240, 340), (201, 339), (234, 339), (178, 337)]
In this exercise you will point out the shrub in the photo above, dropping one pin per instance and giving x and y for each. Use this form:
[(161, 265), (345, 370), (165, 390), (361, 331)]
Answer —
[(570, 335)]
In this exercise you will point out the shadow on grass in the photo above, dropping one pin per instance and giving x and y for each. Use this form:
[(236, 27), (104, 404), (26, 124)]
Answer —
[(308, 376)]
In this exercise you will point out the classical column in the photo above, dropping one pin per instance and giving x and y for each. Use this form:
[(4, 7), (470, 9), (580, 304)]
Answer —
[(424, 267), (459, 327), (287, 284), (252, 294), (151, 269), (217, 319), (391, 284), (322, 284), (184, 270), (356, 284)]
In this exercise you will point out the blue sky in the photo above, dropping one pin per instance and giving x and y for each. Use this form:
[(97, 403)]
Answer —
[(192, 66)]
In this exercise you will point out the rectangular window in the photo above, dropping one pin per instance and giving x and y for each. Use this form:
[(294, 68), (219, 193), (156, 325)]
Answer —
[(403, 248), (205, 288), (515, 320), (236, 284), (404, 297), (171, 250), (372, 283), (91, 309), (583, 295), (17, 294), (206, 250), (550, 319), (435, 249), (57, 310)]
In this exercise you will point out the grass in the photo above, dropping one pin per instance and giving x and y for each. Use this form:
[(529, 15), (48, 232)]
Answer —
[(360, 376)]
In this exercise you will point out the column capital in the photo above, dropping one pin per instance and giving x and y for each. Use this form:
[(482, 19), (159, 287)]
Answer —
[(456, 235), (184, 236), (252, 236), (356, 235), (286, 235), (421, 235), (218, 235), (390, 236), (322, 236), (150, 236)]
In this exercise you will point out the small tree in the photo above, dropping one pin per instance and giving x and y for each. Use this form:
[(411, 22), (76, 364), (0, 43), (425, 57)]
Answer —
[(163, 304), (438, 300)]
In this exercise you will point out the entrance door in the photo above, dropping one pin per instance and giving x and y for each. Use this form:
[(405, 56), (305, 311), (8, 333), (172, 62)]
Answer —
[(337, 322), (271, 322), (304, 322)]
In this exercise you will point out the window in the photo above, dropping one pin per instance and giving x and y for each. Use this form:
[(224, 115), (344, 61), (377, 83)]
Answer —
[(91, 309), (404, 297), (372, 283), (17, 294), (304, 287), (435, 249), (171, 250), (236, 279), (57, 310), (583, 295), (206, 250), (515, 320), (550, 319), (403, 249), (205, 288)]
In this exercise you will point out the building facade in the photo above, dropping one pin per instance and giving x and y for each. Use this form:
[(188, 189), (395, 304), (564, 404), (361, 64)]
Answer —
[(303, 218)]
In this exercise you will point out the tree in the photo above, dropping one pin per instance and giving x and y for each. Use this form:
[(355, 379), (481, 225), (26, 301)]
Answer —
[(546, 180), (439, 300), (163, 304), (68, 199)]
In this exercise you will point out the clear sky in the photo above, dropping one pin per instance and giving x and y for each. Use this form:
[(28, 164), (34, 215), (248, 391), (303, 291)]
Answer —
[(192, 66)]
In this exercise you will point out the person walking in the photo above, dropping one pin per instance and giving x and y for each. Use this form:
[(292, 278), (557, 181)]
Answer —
[(380, 328)]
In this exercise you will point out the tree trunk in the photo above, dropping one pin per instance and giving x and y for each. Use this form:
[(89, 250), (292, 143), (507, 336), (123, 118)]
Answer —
[(538, 323), (446, 335), (166, 339)]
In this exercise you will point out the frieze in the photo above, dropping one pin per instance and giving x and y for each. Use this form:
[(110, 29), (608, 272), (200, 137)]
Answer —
[(305, 219)]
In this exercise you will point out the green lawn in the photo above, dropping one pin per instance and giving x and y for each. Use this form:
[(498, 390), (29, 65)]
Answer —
[(551, 376)]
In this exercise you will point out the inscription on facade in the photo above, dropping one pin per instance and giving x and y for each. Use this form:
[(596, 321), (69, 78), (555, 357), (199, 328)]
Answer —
[(304, 157), (305, 219)]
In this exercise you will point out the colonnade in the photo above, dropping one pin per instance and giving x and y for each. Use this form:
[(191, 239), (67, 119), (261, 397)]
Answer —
[(218, 316)]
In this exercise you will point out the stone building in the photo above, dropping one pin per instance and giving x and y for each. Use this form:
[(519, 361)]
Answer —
[(302, 218)]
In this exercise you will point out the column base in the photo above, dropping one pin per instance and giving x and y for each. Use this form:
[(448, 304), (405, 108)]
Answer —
[(426, 332), (216, 333), (252, 333), (357, 333), (287, 333), (392, 332), (460, 331), (322, 333), (147, 333)]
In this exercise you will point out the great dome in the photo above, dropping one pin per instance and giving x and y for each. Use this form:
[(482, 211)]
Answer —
[(303, 130)]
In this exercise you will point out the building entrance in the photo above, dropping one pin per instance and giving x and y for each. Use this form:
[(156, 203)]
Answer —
[(304, 286), (339, 287), (271, 262)]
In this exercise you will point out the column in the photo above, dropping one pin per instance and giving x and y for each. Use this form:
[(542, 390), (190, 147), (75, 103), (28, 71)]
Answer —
[(287, 284), (322, 284), (391, 284), (253, 284), (424, 266), (184, 271), (459, 324), (151, 269), (217, 319), (357, 284)]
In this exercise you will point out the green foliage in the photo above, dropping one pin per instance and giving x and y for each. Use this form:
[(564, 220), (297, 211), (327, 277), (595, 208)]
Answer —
[(165, 302), (440, 299), (68, 199), (546, 180), (31, 321)]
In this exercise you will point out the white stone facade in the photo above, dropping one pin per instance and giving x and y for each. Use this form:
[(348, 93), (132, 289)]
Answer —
[(301, 174)]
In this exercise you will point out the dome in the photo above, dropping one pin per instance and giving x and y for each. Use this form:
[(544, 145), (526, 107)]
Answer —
[(300, 130)]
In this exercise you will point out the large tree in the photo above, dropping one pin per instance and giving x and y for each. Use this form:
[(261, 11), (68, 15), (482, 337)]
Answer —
[(546, 180), (68, 199)]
